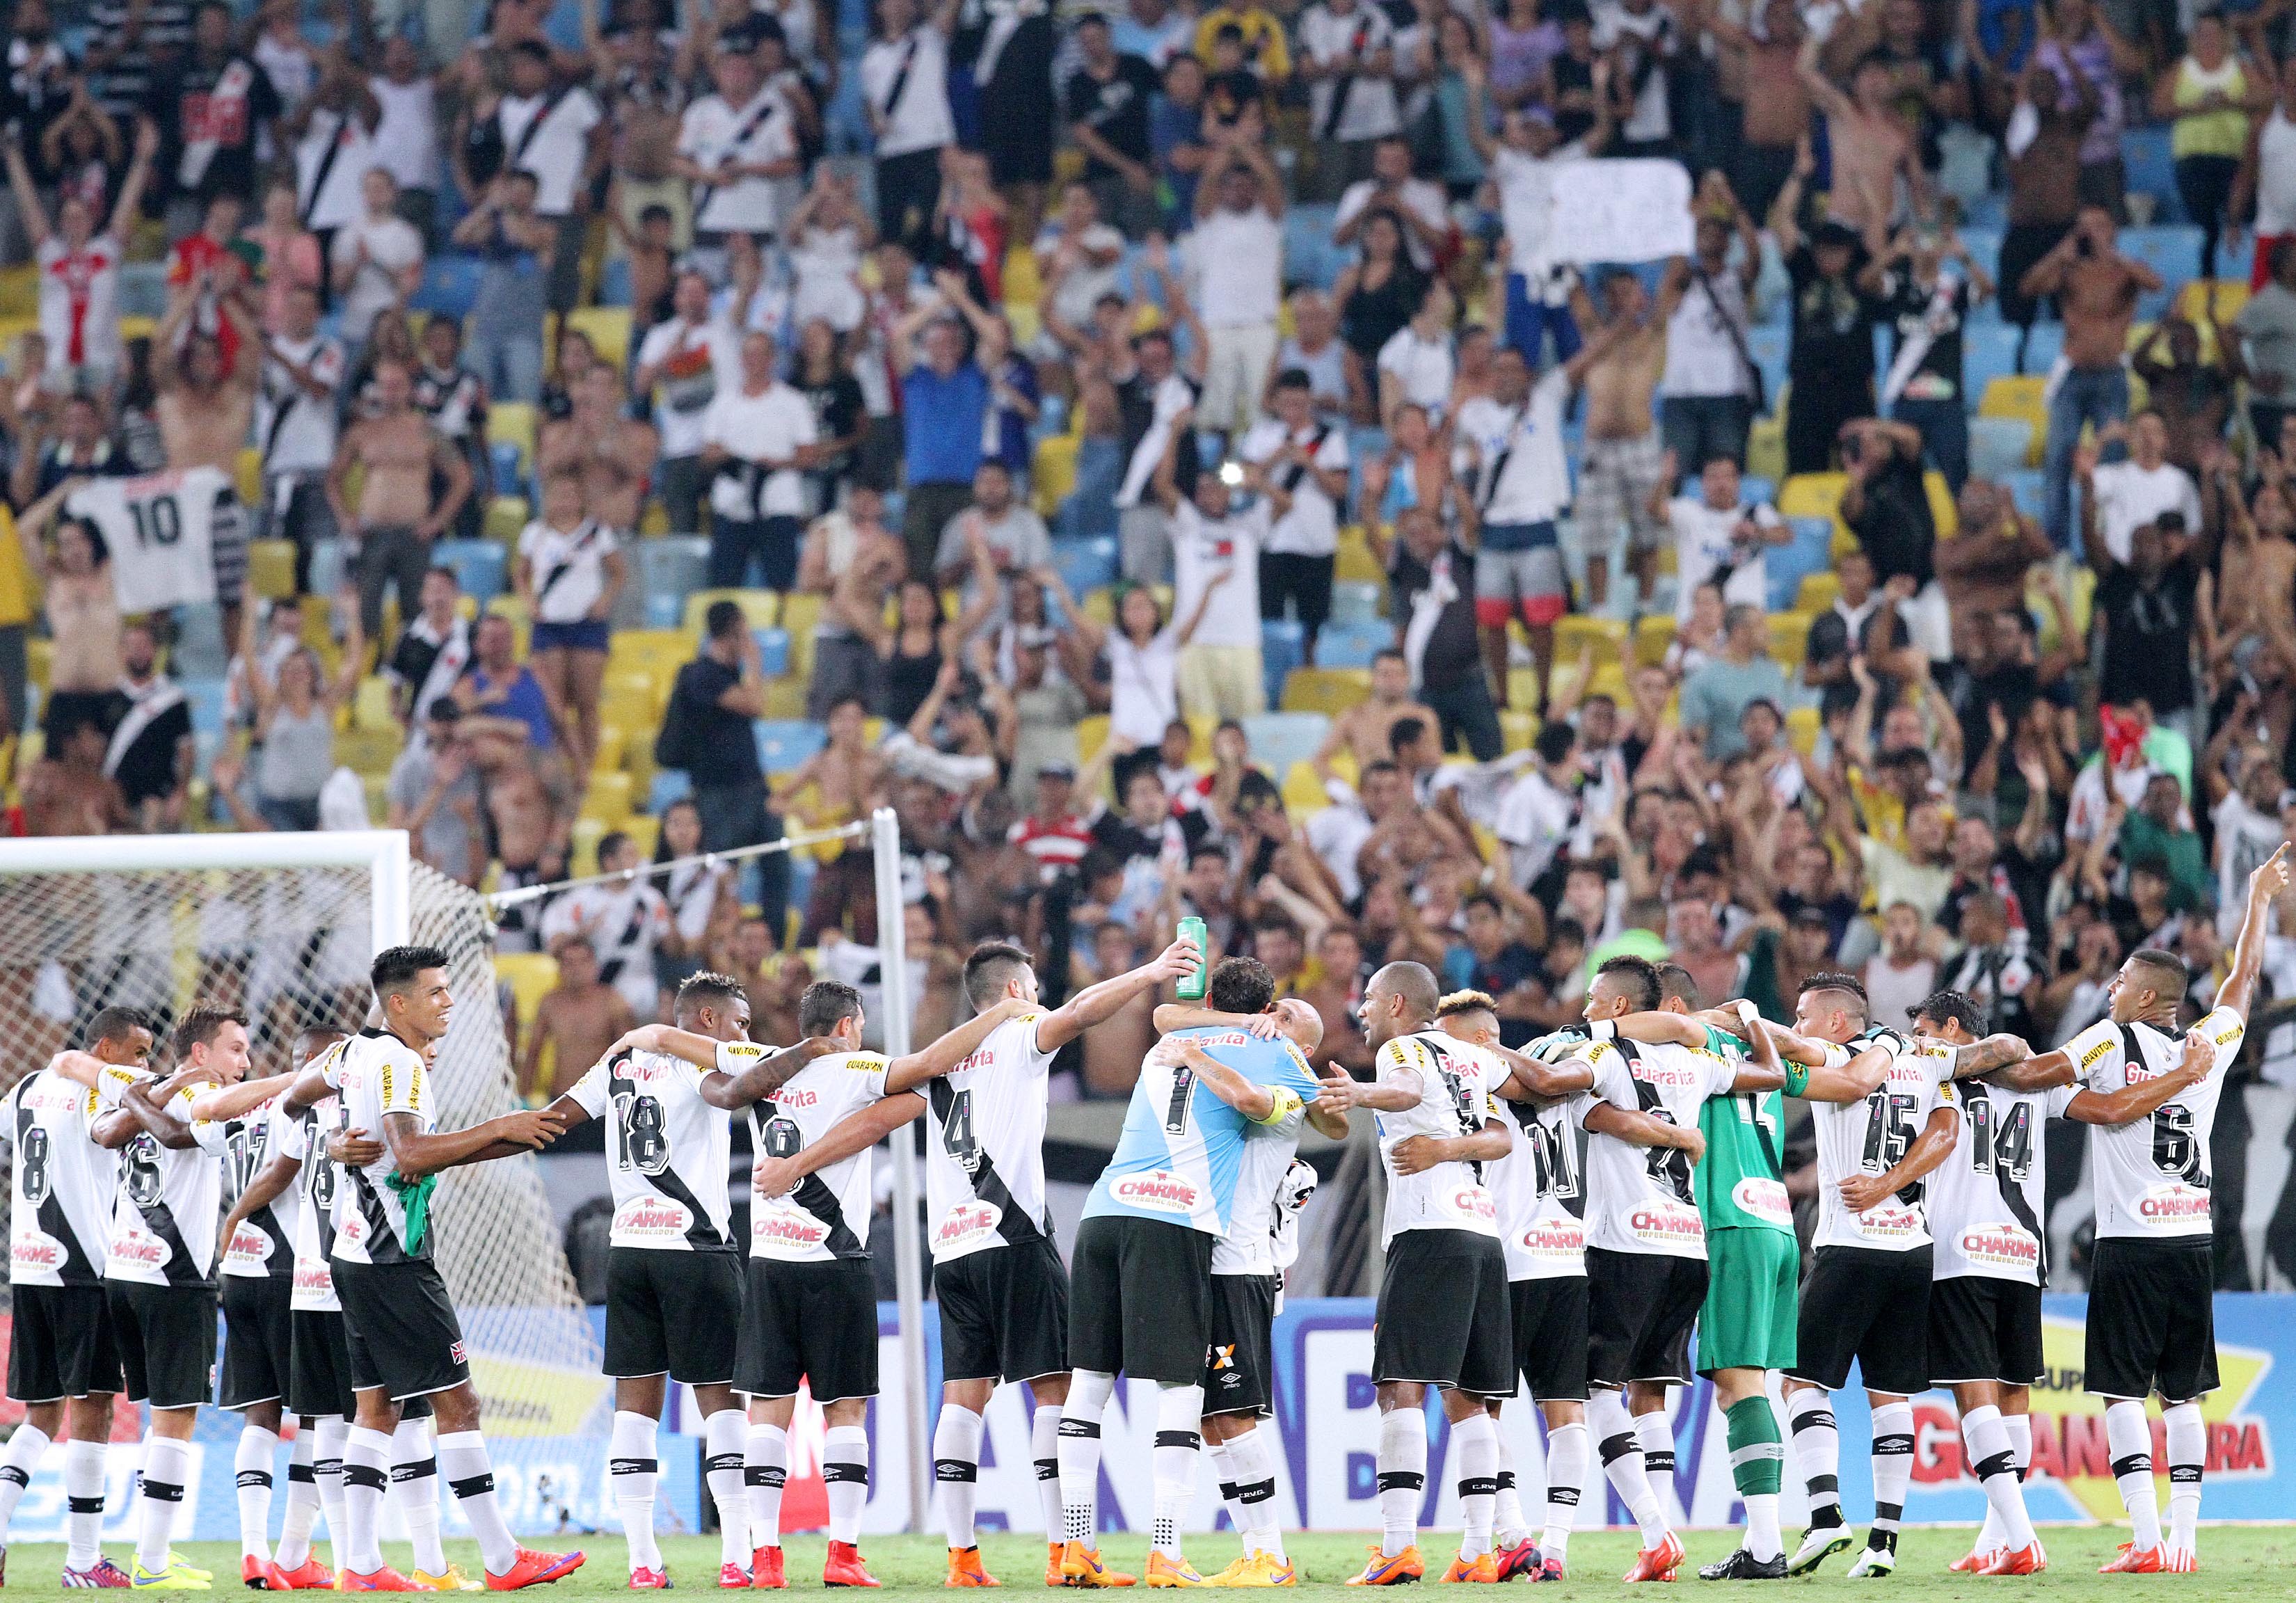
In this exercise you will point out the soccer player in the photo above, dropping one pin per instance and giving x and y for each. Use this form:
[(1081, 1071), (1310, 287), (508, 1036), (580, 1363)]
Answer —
[(1144, 1253), (810, 1299), (1867, 1296), (1443, 1317), (1992, 1255), (2151, 1310), (1002, 1292), (673, 1268), (1539, 1190), (1646, 1274), (63, 1363), (1248, 1286), (402, 1338)]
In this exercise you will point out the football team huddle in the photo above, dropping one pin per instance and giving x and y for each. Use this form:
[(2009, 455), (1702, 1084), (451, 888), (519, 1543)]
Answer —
[(1557, 1223)]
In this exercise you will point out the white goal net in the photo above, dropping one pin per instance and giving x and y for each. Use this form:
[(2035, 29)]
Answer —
[(270, 925)]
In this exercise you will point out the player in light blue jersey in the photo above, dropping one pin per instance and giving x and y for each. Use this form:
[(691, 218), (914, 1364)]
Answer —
[(1142, 1270)]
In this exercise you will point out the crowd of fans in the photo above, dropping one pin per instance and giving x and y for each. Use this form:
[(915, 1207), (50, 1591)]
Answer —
[(723, 421)]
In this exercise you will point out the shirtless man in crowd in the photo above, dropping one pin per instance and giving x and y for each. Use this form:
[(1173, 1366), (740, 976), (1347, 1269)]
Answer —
[(1364, 728), (1872, 149), (205, 410), (615, 454), (1625, 464), (2097, 288), (583, 1017), (66, 792), (530, 801), (2256, 610), (846, 776), (397, 519)]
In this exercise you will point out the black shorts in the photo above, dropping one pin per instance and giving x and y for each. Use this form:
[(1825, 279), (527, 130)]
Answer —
[(258, 1342), (400, 1329), (815, 1323), (1874, 1306), (1443, 1317), (1984, 1327), (1004, 1313), (319, 1373), (1142, 1295), (1550, 1337), (677, 1313), (166, 1336), (2152, 1319), (1305, 580), (61, 1344), (1239, 1364), (1640, 1306)]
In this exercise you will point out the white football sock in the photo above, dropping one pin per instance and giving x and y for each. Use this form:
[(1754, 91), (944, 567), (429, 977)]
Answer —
[(1817, 1451), (1893, 1470), (251, 1464), (2128, 1438), (764, 1469), (1224, 1480), (1506, 1518), (470, 1478), (1044, 1449), (83, 1502), (1763, 1538), (956, 1465), (1613, 1432), (1476, 1440), (365, 1473), (22, 1461), (1402, 1477), (294, 1551), (1254, 1465), (1078, 1454), (1995, 1468), (414, 1492), (1655, 1432), (1566, 1478), (2019, 1427), (1179, 1452), (722, 1435), (166, 1463), (2188, 1455), (634, 1470), (331, 1438), (845, 1466)]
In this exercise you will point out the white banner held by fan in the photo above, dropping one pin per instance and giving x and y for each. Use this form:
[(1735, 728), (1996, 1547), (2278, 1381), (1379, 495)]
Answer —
[(1620, 211)]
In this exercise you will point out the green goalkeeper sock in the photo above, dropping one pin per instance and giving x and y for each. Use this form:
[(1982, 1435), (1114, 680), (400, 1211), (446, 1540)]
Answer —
[(1757, 1453)]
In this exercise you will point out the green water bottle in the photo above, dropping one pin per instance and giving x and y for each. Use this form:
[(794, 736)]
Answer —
[(1191, 986)]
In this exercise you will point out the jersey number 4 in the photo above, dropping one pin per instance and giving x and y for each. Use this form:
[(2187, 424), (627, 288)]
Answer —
[(2001, 1141), (956, 1136)]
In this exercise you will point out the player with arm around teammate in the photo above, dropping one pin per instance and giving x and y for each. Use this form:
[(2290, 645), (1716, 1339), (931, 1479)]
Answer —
[(1247, 1278), (1986, 1204), (1539, 1190)]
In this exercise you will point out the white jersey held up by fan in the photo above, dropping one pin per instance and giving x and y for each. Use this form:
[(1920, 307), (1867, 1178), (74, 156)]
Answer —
[(160, 533)]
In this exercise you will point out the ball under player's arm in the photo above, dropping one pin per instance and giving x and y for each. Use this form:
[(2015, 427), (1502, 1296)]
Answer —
[(1930, 1149), (942, 1055), (261, 1192), (1257, 1102), (415, 1154), (2267, 882), (1638, 1129), (218, 1103), (854, 1132), (1096, 1003), (2141, 1101)]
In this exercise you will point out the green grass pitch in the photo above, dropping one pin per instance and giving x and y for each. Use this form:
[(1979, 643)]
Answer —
[(2236, 1562)]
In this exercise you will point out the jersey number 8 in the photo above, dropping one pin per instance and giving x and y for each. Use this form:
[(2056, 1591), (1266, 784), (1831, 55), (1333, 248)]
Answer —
[(31, 1157)]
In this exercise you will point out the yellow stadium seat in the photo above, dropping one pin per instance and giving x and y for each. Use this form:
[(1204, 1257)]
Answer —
[(1574, 631), (654, 521), (644, 831), (137, 328), (1653, 632), (2080, 599), (513, 423), (1789, 637), (1819, 592), (1943, 510), (1517, 729), (531, 976), (1021, 283), (39, 653), (2020, 395), (800, 613), (611, 739), (2231, 294), (1056, 471), (1100, 606), (650, 650), (1325, 690), (762, 607), (271, 569), (506, 518), (632, 698), (1766, 447), (368, 751), (608, 328), (785, 699), (582, 846), (1199, 738), (371, 707), (1802, 725), (1303, 792), (1091, 734), (1357, 565), (609, 798), (20, 292), (249, 477), (1812, 495)]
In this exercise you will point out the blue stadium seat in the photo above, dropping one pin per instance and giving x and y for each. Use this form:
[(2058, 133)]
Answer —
[(2043, 346), (326, 567), (772, 651), (1283, 647), (1809, 551), (1989, 351), (1767, 344), (143, 288), (450, 284), (665, 611), (205, 696), (1754, 489), (1279, 739), (2174, 252), (1353, 645), (2151, 170), (672, 567), (1085, 566), (783, 746), (1998, 446), (1356, 601), (507, 480), (614, 282), (2028, 488), (198, 651), (1985, 245), (481, 567), (670, 785)]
